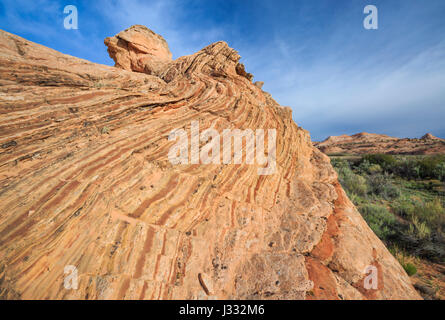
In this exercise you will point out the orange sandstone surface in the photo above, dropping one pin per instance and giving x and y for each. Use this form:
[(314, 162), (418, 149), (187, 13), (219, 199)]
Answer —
[(85, 181)]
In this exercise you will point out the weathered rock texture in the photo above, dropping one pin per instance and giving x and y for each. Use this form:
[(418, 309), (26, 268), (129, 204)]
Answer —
[(139, 49), (85, 181), (368, 143)]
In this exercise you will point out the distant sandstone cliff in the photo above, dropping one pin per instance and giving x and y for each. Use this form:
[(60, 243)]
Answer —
[(86, 182), (368, 143)]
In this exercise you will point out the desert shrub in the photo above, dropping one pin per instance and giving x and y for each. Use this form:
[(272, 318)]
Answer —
[(385, 161), (380, 184), (407, 168), (390, 191), (403, 207), (439, 171), (351, 182), (376, 183), (356, 200), (369, 168), (410, 269), (374, 169), (432, 213), (406, 260), (419, 229), (379, 219), (429, 167), (339, 163), (354, 183), (426, 218)]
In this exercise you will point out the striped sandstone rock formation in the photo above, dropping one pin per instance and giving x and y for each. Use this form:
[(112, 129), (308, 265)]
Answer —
[(85, 181)]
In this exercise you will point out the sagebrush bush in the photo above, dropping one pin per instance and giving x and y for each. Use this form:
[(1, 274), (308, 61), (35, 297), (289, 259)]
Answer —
[(439, 171), (354, 183), (376, 183), (356, 200), (351, 182), (407, 168), (374, 168), (369, 168), (432, 213), (380, 184), (427, 218), (391, 192), (385, 161), (430, 167), (379, 219), (419, 229), (403, 207)]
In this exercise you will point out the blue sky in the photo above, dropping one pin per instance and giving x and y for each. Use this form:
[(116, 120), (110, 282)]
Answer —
[(313, 55)]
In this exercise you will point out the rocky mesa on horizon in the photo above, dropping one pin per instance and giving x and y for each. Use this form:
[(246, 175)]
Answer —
[(372, 143), (86, 182)]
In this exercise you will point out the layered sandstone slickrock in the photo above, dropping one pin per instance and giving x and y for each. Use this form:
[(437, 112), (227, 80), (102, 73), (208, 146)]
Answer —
[(85, 181), (369, 143)]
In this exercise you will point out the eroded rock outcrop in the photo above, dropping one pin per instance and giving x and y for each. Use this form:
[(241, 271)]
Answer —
[(86, 182), (369, 143), (139, 49)]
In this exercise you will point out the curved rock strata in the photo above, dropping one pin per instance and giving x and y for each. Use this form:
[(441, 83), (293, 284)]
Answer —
[(86, 181)]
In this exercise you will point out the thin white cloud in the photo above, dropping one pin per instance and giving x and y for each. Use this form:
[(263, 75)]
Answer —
[(163, 17)]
